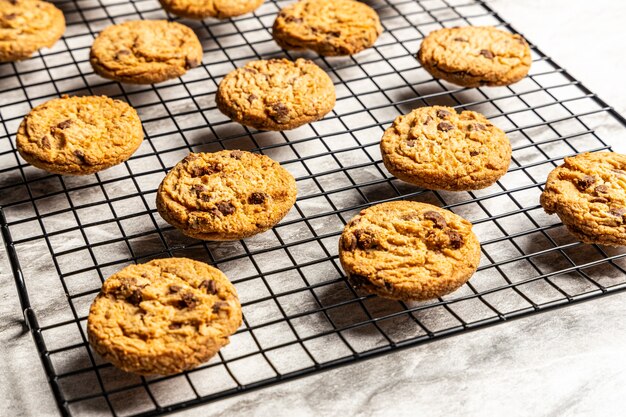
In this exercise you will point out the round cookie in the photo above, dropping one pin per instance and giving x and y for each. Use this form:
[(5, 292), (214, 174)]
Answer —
[(408, 250), (226, 195), (145, 51), (276, 94), (440, 149), (79, 135), (328, 27), (472, 56), (200, 9), (588, 193), (164, 316), (26, 26)]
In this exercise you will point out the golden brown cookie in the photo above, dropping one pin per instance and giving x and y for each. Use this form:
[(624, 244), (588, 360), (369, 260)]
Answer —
[(408, 250), (226, 195), (200, 9), (79, 135), (472, 56), (328, 27), (588, 193), (26, 26), (277, 94), (164, 316), (145, 51), (440, 149)]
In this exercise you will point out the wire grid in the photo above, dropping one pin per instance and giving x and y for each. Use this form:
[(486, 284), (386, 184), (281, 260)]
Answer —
[(65, 235)]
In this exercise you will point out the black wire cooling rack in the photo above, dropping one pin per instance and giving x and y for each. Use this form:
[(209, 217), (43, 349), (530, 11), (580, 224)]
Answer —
[(65, 235)]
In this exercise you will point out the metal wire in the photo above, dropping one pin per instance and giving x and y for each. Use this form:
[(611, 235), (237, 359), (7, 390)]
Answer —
[(65, 235)]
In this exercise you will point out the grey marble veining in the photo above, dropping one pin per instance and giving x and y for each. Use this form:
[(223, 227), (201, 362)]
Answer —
[(566, 362)]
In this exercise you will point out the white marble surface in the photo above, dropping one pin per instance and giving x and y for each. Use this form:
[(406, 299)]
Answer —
[(566, 362)]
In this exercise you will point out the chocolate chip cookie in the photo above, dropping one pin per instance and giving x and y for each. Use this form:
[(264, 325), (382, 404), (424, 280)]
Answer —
[(328, 27), (26, 26), (164, 316), (145, 51), (588, 193), (475, 55), (79, 135), (201, 9), (276, 94), (408, 250), (226, 195), (440, 149)]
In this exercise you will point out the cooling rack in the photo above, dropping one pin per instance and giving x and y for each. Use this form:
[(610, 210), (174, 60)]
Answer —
[(65, 235)]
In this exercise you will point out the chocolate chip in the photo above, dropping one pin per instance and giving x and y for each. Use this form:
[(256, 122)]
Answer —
[(334, 33), (444, 126), (410, 143), (236, 154), (174, 289), (190, 157), (257, 198), (460, 40), (200, 171), (281, 113), (601, 189), (226, 208), (599, 200), (364, 239), (191, 62), (456, 240), (45, 142), (174, 326), (187, 300), (427, 120), (205, 197), (442, 114), (80, 155), (585, 182), (476, 126), (252, 97), (357, 281), (292, 19), (436, 218), (348, 242), (617, 212), (218, 306), (121, 53), (10, 16), (198, 189), (209, 285), (474, 153), (487, 54), (135, 297)]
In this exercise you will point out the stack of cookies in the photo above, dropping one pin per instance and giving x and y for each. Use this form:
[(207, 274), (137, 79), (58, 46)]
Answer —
[(169, 315)]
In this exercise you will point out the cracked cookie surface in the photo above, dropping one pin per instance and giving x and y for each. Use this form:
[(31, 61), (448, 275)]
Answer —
[(440, 149), (145, 51), (408, 250), (226, 195), (276, 94), (475, 55), (328, 27), (164, 316), (26, 26), (200, 9), (79, 135), (588, 193)]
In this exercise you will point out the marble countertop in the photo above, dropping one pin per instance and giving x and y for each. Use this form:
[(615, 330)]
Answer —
[(568, 362)]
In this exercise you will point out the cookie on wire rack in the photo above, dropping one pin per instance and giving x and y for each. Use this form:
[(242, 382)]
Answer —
[(201, 9), (473, 56), (27, 26), (328, 27), (408, 250), (440, 149), (164, 316), (79, 135), (276, 94), (588, 193), (145, 51)]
